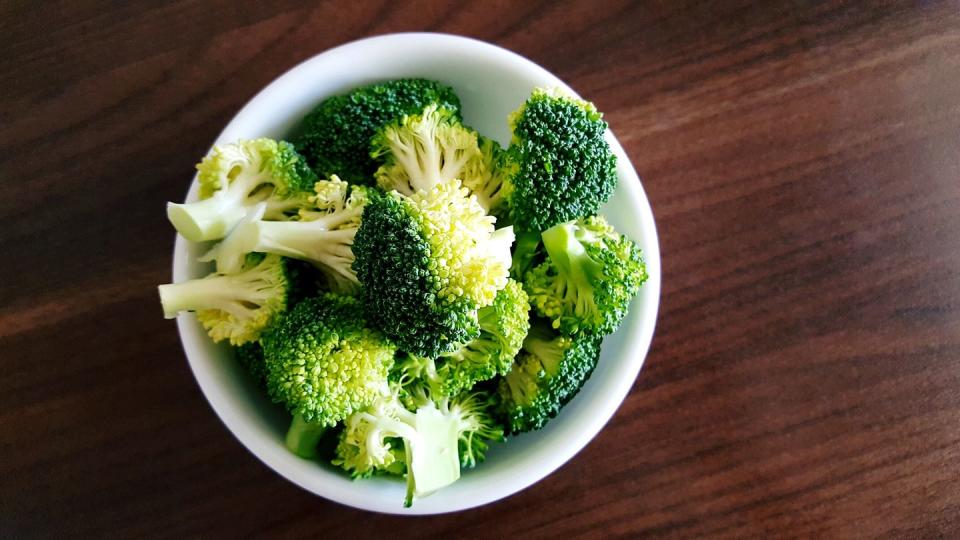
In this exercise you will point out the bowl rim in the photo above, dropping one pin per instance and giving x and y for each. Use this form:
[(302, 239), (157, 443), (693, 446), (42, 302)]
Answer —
[(643, 320)]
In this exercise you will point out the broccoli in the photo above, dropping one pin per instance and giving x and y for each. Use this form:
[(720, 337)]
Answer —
[(561, 167), (303, 436), (427, 263), (323, 363), (234, 178), (527, 252), (323, 235), (589, 278), (335, 137), (237, 307), (437, 439), (503, 325), (422, 150), (547, 373)]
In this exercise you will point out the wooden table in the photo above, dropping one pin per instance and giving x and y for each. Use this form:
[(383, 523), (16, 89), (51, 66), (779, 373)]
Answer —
[(803, 162)]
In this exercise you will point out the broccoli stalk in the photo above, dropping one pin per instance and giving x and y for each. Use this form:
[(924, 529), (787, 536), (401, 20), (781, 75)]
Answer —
[(314, 242), (234, 178), (232, 306), (525, 253), (303, 437), (323, 236), (436, 436)]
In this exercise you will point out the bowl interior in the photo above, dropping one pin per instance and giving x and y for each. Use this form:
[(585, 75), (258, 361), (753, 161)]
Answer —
[(491, 83)]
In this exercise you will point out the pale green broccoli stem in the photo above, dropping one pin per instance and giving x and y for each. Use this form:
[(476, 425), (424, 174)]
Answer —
[(303, 437), (238, 295), (213, 218), (430, 150), (230, 253), (311, 241), (526, 248), (575, 266), (430, 437), (434, 452)]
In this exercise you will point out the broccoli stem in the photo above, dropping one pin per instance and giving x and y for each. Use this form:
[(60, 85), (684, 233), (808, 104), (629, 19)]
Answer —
[(313, 242), (209, 219), (303, 437), (526, 249), (236, 294), (196, 294), (214, 217)]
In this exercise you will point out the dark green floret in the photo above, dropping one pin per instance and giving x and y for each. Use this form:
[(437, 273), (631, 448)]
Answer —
[(335, 137), (564, 168), (548, 373), (589, 278), (503, 326), (400, 289), (322, 361)]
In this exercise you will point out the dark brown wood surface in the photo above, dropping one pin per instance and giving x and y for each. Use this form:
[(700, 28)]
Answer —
[(802, 160)]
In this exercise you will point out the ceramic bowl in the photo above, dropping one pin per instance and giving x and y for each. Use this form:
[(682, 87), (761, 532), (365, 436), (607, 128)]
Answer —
[(491, 83)]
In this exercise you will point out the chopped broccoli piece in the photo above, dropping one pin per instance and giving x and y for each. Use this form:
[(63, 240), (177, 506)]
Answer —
[(234, 178), (548, 373), (323, 236), (422, 150), (336, 136), (323, 363), (589, 278), (236, 307), (438, 438), (562, 167), (427, 263)]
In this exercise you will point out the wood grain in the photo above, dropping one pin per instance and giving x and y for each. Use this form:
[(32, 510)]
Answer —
[(801, 159)]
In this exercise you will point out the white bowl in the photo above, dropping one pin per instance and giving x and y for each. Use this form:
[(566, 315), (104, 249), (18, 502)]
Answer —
[(491, 82)]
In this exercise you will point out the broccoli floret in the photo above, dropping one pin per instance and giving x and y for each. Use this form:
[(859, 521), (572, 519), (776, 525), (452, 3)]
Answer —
[(548, 373), (589, 278), (437, 439), (323, 362), (323, 236), (335, 137), (422, 150), (250, 357), (427, 263), (236, 307), (234, 178), (503, 325), (562, 167)]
